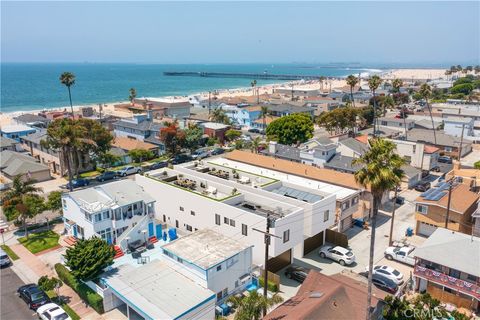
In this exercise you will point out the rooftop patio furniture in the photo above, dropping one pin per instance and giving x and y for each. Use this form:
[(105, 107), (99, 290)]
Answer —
[(244, 180)]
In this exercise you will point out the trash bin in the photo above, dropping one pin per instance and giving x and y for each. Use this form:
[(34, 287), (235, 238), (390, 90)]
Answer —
[(409, 232)]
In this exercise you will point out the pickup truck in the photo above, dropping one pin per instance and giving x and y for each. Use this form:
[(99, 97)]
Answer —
[(401, 254)]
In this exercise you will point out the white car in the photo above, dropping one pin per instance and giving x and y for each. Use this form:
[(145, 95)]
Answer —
[(341, 255), (388, 272), (128, 171), (402, 254), (52, 311), (4, 259)]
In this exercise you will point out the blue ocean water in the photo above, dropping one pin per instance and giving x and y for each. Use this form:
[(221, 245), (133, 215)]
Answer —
[(30, 86)]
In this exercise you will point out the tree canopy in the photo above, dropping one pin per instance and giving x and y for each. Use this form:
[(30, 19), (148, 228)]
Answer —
[(232, 135), (87, 258), (292, 129), (193, 135), (140, 155)]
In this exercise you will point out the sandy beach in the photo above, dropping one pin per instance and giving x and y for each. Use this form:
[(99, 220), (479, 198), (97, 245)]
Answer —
[(333, 83)]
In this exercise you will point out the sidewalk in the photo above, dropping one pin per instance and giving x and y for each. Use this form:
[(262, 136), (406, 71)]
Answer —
[(30, 268)]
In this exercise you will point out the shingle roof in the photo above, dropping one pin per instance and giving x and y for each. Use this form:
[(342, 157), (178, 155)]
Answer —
[(339, 162), (131, 144), (452, 249), (288, 108), (462, 199), (146, 125), (410, 171), (6, 142), (36, 137), (284, 152), (14, 163), (29, 118), (425, 135), (355, 145), (322, 143)]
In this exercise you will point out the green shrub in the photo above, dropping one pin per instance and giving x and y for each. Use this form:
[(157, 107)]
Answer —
[(13, 256), (476, 165), (85, 292), (271, 286)]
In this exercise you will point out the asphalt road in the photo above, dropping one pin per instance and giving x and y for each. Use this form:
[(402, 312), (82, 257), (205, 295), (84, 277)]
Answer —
[(12, 307)]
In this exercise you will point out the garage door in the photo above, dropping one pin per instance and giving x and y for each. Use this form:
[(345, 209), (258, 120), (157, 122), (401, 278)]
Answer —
[(425, 229), (312, 243), (280, 262), (346, 223)]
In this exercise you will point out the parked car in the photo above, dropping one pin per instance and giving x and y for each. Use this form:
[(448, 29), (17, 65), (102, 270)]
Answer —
[(341, 255), (181, 158), (444, 159), (200, 154), (4, 259), (254, 130), (422, 186), (128, 170), (402, 254), (388, 272), (33, 296), (77, 183), (435, 169), (217, 151), (296, 273), (384, 283), (52, 311), (400, 200), (158, 165), (107, 175)]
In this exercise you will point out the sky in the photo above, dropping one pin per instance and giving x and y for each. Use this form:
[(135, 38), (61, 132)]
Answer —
[(384, 32)]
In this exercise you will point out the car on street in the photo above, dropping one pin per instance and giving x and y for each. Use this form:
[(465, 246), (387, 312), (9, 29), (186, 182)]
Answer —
[(435, 169), (181, 158), (254, 130), (33, 296), (401, 254), (128, 170), (422, 186), (4, 259), (52, 311), (388, 272), (107, 175), (341, 255), (158, 165), (200, 154), (400, 200), (78, 183), (217, 151), (384, 283), (444, 159), (296, 273)]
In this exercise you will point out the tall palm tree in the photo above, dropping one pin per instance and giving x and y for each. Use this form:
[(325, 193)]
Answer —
[(219, 115), (381, 172), (251, 307), (397, 84), (264, 112), (68, 80), (352, 81), (253, 84), (255, 144), (426, 92), (373, 83), (132, 95)]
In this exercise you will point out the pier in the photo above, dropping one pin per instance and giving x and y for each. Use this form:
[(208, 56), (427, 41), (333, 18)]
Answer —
[(262, 76)]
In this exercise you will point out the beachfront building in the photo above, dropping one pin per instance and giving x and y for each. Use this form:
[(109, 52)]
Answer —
[(213, 260), (17, 131), (431, 209), (32, 120), (234, 202), (111, 211), (447, 266)]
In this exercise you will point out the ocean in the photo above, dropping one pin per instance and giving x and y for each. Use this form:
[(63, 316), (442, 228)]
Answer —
[(33, 86)]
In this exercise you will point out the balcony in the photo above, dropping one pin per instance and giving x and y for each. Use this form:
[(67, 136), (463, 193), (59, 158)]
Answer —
[(462, 286)]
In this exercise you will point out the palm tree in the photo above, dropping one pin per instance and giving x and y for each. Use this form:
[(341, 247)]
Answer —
[(133, 95), (397, 84), (253, 84), (68, 79), (426, 92), (251, 307), (16, 198), (264, 112), (374, 82), (255, 144), (386, 103), (381, 172), (352, 81), (219, 115)]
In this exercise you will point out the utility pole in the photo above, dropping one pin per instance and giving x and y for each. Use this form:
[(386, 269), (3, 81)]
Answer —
[(448, 202), (461, 145), (270, 223), (209, 101), (393, 217)]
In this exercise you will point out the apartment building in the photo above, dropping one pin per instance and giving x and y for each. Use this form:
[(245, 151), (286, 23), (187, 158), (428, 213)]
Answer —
[(107, 210), (447, 273), (431, 209), (196, 196)]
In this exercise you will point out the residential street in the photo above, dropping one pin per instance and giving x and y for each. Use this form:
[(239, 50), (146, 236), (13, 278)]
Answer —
[(12, 306)]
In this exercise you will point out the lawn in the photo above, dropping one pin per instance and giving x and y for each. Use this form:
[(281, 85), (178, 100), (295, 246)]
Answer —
[(13, 256), (37, 242)]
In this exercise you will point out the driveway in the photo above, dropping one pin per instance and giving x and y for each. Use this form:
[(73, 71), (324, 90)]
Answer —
[(471, 158), (12, 306)]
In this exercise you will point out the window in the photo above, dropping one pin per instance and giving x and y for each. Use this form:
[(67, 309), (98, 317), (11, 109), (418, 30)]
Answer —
[(354, 201), (192, 212), (176, 223), (226, 220), (181, 209), (422, 209), (326, 215), (448, 149), (286, 236), (384, 123), (232, 222), (189, 228), (219, 267), (217, 219), (106, 215), (64, 203), (164, 218), (98, 217), (345, 205), (244, 230)]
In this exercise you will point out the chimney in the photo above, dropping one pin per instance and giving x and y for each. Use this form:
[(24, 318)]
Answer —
[(272, 147)]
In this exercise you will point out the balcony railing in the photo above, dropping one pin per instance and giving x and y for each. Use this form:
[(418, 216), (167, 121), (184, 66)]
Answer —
[(448, 281)]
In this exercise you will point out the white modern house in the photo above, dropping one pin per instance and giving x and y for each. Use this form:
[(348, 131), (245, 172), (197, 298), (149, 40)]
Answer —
[(418, 154), (456, 126), (108, 211), (197, 196)]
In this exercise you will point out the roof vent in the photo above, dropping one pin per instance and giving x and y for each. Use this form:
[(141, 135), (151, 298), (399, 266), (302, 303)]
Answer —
[(316, 294)]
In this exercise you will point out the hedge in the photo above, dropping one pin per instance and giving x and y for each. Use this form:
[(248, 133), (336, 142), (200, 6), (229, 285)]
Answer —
[(271, 286), (85, 292), (13, 256)]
